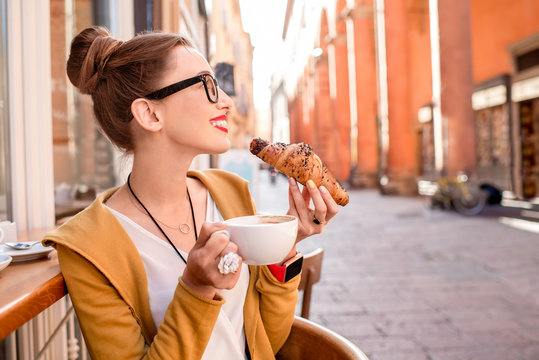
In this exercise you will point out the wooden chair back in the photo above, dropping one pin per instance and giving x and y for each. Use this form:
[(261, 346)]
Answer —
[(312, 268), (309, 341)]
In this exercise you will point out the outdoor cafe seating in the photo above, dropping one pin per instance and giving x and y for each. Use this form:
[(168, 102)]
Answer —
[(28, 288)]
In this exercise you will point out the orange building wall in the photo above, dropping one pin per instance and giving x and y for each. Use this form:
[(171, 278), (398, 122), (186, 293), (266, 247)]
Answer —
[(401, 158), (301, 117), (457, 86), (342, 101), (419, 68), (309, 104), (294, 114), (324, 109), (419, 62), (306, 108), (492, 30), (367, 99)]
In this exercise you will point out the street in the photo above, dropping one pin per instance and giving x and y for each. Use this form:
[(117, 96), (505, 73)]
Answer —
[(402, 281)]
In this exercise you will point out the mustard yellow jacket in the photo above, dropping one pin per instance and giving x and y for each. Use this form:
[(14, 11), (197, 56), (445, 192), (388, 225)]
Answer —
[(108, 286)]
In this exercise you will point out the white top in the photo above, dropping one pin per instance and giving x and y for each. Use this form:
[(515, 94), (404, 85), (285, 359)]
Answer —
[(164, 267)]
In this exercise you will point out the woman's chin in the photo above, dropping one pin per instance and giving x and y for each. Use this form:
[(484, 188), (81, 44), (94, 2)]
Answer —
[(221, 147)]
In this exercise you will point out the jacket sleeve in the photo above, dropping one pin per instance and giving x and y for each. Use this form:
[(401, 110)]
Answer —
[(277, 305), (111, 328)]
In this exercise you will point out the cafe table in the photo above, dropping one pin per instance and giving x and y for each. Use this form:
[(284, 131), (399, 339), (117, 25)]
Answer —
[(28, 288)]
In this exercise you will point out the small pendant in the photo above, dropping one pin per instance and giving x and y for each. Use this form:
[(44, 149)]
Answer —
[(184, 228)]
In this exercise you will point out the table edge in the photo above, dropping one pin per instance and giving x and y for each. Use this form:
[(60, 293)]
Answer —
[(16, 314)]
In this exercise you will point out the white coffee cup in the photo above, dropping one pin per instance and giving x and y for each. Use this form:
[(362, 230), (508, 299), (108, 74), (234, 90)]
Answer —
[(8, 231), (263, 239)]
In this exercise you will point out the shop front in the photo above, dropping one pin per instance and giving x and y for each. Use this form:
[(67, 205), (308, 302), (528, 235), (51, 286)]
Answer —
[(425, 140), (492, 116), (525, 96)]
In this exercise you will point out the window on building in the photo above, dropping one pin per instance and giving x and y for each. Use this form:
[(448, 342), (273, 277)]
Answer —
[(83, 158), (4, 133), (527, 60), (143, 15)]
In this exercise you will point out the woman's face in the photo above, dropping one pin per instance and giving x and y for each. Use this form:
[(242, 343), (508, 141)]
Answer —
[(190, 119)]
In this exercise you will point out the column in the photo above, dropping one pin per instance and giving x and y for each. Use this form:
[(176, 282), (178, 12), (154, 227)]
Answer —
[(401, 159), (366, 90), (457, 86)]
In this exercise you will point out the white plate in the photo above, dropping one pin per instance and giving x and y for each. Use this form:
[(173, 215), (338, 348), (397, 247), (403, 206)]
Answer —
[(37, 251), (5, 260)]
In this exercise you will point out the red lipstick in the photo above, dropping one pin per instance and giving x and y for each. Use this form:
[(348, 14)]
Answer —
[(219, 122)]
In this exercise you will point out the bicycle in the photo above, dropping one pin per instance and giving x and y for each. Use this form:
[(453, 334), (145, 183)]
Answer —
[(455, 192)]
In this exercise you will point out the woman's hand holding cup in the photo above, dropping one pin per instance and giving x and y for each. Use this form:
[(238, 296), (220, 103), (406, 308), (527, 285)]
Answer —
[(202, 273)]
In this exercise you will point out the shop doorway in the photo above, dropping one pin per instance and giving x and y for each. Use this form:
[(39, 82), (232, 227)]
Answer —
[(426, 168), (494, 146), (529, 135)]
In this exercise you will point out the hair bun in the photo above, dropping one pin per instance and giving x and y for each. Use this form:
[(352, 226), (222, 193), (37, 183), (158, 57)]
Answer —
[(90, 52)]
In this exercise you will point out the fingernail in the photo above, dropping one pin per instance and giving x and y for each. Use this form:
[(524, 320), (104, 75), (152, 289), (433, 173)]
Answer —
[(292, 181), (311, 184), (323, 189)]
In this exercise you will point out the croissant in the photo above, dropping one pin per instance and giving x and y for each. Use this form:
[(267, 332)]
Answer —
[(300, 162)]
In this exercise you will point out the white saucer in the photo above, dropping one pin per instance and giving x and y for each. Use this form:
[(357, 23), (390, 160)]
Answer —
[(37, 251), (5, 260)]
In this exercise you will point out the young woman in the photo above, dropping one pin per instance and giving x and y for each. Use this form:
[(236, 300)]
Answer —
[(141, 263)]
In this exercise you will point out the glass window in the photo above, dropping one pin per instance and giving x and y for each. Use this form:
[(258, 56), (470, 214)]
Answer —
[(83, 158), (4, 133)]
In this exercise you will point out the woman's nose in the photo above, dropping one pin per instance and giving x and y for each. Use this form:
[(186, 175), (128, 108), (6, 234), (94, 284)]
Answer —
[(225, 102)]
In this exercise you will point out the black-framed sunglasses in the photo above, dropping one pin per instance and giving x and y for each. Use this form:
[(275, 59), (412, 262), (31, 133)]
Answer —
[(210, 85)]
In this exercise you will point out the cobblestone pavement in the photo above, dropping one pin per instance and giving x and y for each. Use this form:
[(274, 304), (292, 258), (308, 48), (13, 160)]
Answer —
[(405, 282)]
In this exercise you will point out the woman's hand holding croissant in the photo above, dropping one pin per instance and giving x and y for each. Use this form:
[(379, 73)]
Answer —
[(301, 164), (310, 221)]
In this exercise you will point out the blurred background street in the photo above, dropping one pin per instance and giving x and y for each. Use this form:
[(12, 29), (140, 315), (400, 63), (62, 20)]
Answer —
[(405, 282)]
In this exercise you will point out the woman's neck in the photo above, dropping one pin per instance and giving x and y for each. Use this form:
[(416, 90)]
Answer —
[(160, 181)]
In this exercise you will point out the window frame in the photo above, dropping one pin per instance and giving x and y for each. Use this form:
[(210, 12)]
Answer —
[(4, 149)]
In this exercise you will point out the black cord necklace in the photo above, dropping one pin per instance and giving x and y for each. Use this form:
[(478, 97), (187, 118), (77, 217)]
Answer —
[(155, 222)]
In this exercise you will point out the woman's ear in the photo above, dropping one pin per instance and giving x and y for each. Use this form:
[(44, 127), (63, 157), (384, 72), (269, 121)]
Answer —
[(143, 111)]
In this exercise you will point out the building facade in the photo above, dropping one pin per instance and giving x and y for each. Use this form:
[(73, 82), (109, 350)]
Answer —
[(506, 93), (389, 92)]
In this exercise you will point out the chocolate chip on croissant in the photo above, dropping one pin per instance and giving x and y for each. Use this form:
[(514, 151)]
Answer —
[(300, 162)]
